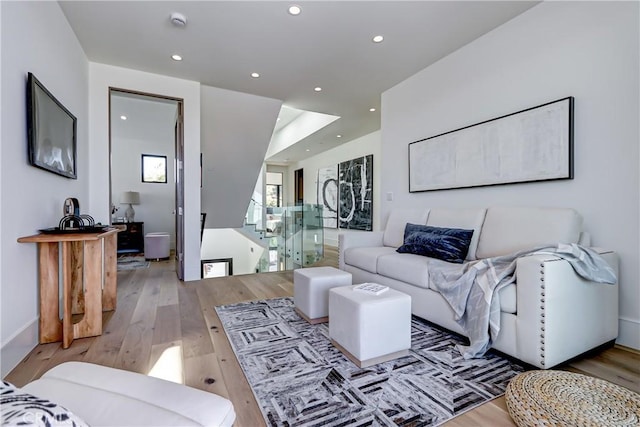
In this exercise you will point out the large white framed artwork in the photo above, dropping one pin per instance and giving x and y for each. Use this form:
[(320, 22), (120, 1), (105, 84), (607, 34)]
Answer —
[(328, 195), (535, 144)]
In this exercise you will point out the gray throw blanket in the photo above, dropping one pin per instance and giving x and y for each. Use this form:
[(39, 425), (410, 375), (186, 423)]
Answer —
[(472, 289)]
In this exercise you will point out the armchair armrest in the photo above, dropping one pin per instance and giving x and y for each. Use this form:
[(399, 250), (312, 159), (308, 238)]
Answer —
[(560, 315), (357, 239)]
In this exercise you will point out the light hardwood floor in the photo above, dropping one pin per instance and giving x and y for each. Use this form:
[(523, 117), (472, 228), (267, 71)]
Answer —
[(171, 328)]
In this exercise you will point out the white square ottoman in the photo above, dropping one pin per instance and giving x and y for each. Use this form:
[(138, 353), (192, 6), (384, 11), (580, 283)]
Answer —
[(311, 291), (370, 329)]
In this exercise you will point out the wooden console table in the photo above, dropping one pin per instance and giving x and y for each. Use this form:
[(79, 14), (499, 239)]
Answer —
[(89, 280)]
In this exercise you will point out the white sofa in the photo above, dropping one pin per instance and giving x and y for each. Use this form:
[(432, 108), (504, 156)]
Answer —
[(548, 316), (81, 393)]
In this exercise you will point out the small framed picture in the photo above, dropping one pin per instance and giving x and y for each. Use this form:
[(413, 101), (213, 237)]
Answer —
[(217, 267), (154, 168)]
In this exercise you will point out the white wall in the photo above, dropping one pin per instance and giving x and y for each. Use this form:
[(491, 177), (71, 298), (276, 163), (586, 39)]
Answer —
[(365, 145), (101, 78), (34, 35), (244, 252), (589, 50), (236, 129)]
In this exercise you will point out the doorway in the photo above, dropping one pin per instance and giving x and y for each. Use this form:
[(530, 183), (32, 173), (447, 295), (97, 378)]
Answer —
[(146, 126), (298, 187)]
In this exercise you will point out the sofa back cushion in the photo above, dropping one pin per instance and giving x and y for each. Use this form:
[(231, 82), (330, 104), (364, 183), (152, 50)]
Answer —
[(468, 219), (511, 229), (398, 219)]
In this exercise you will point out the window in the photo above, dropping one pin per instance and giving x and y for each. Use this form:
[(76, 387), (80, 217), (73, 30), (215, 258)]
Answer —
[(154, 168), (273, 190)]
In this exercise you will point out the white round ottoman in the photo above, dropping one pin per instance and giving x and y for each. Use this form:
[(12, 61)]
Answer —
[(311, 291), (370, 329), (156, 245)]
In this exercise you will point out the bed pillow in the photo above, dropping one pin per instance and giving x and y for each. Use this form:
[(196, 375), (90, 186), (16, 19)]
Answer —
[(20, 408), (446, 244)]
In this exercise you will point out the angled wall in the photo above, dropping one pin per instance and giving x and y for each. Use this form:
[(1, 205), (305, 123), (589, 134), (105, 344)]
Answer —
[(236, 131)]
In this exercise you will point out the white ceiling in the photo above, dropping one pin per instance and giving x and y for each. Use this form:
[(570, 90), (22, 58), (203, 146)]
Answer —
[(328, 45)]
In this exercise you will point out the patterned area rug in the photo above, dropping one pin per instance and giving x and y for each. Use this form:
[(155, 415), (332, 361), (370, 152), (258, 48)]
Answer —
[(299, 378), (132, 262)]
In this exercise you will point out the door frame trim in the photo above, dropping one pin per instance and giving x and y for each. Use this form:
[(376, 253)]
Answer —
[(179, 117)]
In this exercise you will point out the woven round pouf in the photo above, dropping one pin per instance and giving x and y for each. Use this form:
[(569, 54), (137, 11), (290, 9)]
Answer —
[(558, 398)]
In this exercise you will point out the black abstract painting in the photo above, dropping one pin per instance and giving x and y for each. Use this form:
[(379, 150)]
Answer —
[(355, 178)]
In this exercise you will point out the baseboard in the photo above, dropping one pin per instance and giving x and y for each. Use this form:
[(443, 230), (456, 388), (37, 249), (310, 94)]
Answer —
[(18, 346), (629, 333)]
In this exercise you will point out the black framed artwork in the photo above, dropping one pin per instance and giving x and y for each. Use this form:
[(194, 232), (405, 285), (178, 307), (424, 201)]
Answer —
[(219, 267), (355, 192), (51, 131)]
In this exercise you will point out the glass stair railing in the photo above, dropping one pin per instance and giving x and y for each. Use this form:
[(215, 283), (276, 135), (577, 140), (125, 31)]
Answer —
[(295, 237)]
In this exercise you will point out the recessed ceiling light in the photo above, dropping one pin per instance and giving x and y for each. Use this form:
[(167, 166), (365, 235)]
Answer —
[(307, 150), (318, 89), (295, 10), (123, 117), (278, 119), (255, 75), (377, 39), (338, 136), (372, 109), (176, 57)]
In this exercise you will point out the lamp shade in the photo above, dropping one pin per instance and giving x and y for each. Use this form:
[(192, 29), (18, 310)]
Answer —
[(130, 197)]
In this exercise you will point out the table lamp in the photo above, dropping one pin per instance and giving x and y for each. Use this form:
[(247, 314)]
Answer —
[(131, 198)]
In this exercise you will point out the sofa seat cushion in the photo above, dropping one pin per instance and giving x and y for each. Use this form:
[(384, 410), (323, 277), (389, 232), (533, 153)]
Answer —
[(408, 268), (107, 396), (438, 267), (507, 297), (366, 258)]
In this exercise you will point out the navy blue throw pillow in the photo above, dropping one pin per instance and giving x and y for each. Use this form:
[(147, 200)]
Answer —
[(446, 244)]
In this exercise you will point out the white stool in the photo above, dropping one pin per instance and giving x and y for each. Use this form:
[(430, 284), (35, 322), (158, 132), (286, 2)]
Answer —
[(156, 245), (311, 291), (370, 329)]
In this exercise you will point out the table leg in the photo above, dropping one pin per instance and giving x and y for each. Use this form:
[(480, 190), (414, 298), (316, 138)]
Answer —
[(50, 324), (77, 291), (91, 323), (109, 292), (67, 321)]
